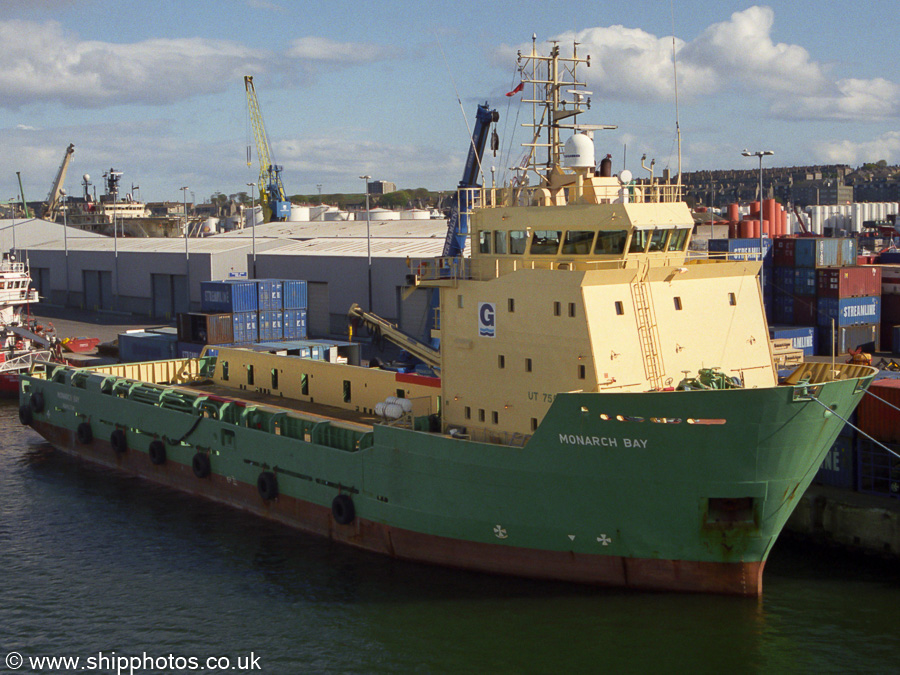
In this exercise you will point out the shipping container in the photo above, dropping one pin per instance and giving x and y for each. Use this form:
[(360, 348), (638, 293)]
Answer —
[(245, 326), (138, 345), (824, 252), (889, 258), (741, 249), (805, 280), (848, 311), (839, 466), (878, 469), (794, 310), (783, 252), (271, 325), (801, 337), (228, 296), (876, 417), (302, 348), (270, 294), (784, 279), (295, 324), (191, 350), (865, 336), (890, 279), (890, 309), (895, 340), (848, 282), (211, 329), (295, 294)]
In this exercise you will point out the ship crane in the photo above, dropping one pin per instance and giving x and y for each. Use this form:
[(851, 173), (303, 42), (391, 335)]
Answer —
[(378, 326), (271, 190), (51, 210)]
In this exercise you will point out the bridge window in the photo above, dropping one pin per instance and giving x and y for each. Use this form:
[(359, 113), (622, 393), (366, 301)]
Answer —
[(545, 242), (501, 361), (304, 384), (274, 378), (732, 300), (571, 309), (224, 370), (527, 365), (495, 417), (658, 240), (557, 309), (500, 242), (678, 240), (611, 243), (512, 305), (468, 413), (639, 239), (484, 242), (582, 372), (518, 240), (481, 414), (577, 242), (620, 308), (346, 391)]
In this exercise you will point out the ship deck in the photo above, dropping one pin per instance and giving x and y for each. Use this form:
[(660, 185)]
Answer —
[(361, 420)]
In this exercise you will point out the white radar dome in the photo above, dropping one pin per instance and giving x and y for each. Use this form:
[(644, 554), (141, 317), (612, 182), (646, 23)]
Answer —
[(578, 152), (625, 176), (86, 177)]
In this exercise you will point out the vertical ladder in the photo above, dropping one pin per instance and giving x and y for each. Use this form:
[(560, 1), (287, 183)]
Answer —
[(648, 333)]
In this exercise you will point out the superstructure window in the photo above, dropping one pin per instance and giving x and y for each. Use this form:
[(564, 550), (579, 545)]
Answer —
[(678, 240), (557, 308), (620, 308), (484, 242), (501, 361), (611, 243), (571, 309), (224, 370), (577, 242), (481, 414), (545, 242), (639, 240), (658, 240), (677, 302), (250, 374), (518, 241), (468, 413), (500, 242), (495, 417), (732, 300), (582, 372), (512, 305), (527, 365)]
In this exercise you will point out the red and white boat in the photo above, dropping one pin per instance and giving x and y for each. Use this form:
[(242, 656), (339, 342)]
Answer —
[(22, 340)]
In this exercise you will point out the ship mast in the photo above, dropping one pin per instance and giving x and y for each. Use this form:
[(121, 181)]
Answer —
[(556, 96)]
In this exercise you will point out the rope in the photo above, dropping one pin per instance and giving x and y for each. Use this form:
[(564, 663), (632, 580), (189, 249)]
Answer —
[(875, 441), (197, 421)]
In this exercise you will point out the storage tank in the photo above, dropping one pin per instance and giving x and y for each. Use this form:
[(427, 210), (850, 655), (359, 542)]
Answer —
[(335, 214), (299, 213), (379, 214), (415, 214)]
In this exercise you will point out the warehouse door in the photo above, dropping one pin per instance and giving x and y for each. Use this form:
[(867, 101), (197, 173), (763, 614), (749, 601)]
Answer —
[(40, 279), (318, 317), (161, 292), (181, 298), (97, 289)]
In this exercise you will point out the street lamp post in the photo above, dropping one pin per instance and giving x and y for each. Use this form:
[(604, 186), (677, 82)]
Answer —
[(187, 254), (760, 154), (368, 238), (319, 186), (253, 216), (65, 209)]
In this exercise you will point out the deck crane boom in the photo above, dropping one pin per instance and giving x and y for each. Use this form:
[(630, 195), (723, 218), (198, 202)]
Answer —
[(271, 190), (51, 209)]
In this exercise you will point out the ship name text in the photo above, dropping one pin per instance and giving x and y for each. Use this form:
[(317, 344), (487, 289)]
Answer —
[(604, 441)]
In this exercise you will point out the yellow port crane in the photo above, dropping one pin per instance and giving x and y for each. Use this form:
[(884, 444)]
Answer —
[(275, 204)]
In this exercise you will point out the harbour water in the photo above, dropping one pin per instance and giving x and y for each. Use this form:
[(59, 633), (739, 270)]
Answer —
[(94, 564)]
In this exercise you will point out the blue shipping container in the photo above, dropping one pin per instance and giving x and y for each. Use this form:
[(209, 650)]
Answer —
[(827, 252), (269, 294), (228, 296), (804, 280), (271, 325), (889, 258), (801, 337), (246, 326), (295, 296), (838, 467), (784, 279), (849, 311), (741, 249), (295, 324), (137, 346)]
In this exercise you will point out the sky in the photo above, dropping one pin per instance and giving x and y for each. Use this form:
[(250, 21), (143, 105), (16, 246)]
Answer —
[(156, 90)]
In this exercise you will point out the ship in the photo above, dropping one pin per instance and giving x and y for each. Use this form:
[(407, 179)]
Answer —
[(22, 340), (602, 408)]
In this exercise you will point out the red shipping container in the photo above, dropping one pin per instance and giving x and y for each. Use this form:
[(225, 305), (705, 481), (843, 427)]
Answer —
[(878, 419), (866, 259), (784, 252), (848, 282)]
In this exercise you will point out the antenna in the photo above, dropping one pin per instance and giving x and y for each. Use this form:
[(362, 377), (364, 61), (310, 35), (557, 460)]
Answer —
[(675, 69)]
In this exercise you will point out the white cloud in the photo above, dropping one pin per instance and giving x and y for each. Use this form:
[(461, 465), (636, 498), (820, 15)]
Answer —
[(737, 55), (885, 147), (42, 62)]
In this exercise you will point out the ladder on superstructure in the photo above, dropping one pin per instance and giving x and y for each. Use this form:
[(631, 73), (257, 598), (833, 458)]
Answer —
[(648, 333)]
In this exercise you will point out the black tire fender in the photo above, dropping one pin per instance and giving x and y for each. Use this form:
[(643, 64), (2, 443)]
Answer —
[(26, 415), (342, 509), (267, 484), (118, 441), (37, 402), (157, 452), (201, 466), (84, 433)]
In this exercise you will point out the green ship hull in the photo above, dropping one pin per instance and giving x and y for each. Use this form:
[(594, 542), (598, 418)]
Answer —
[(669, 490)]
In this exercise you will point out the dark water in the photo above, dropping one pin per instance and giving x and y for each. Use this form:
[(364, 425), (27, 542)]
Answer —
[(92, 562)]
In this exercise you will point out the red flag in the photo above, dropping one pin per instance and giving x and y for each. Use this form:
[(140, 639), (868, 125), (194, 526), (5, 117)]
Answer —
[(516, 90)]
